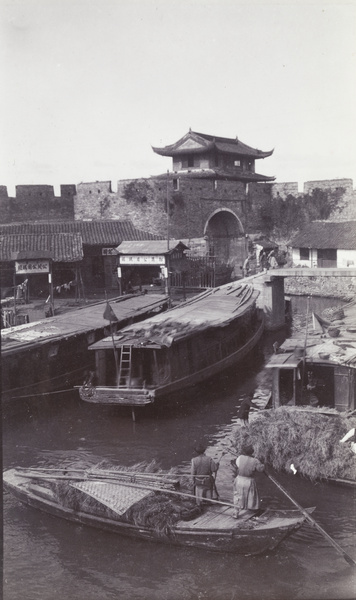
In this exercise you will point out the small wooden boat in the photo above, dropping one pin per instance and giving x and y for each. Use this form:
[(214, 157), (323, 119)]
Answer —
[(107, 500), (176, 349)]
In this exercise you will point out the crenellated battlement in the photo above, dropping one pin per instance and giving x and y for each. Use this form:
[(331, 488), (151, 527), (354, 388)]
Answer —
[(37, 203), (143, 200)]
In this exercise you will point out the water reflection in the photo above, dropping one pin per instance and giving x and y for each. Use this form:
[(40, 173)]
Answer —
[(50, 559)]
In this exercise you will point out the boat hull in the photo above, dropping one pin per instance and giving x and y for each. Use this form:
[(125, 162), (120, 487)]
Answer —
[(142, 396), (248, 537)]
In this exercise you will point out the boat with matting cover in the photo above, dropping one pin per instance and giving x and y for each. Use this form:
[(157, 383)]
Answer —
[(182, 347), (114, 501)]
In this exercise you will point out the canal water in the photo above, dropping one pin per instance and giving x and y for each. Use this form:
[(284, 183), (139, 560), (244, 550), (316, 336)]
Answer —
[(46, 558)]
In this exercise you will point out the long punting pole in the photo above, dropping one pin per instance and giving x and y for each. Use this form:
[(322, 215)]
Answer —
[(112, 338), (96, 473), (126, 484), (314, 523), (311, 520), (305, 342)]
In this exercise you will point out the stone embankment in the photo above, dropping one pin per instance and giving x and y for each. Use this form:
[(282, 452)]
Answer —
[(327, 287)]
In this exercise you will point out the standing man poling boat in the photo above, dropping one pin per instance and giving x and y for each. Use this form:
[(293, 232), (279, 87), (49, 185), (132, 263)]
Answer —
[(202, 470)]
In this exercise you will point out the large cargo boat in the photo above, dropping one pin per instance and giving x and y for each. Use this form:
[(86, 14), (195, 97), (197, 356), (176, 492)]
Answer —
[(43, 357), (175, 350)]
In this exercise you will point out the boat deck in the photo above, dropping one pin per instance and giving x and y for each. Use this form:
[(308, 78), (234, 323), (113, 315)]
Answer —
[(79, 321), (213, 517), (220, 518)]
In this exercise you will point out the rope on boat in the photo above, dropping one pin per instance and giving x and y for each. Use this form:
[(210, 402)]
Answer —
[(43, 394), (44, 381)]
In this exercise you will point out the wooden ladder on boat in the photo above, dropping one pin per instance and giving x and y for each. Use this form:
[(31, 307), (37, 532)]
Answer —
[(125, 367)]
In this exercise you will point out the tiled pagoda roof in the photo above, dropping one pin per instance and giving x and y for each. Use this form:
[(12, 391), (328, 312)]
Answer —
[(194, 143)]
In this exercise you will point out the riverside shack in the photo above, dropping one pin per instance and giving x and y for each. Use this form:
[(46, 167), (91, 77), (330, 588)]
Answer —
[(320, 369)]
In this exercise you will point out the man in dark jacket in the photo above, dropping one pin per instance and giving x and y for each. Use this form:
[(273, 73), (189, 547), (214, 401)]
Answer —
[(202, 471), (244, 410)]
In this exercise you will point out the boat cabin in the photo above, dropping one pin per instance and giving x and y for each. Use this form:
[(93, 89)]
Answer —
[(318, 382), (152, 360), (177, 349)]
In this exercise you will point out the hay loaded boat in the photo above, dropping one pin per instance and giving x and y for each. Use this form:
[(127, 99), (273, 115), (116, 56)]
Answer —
[(149, 507), (176, 349)]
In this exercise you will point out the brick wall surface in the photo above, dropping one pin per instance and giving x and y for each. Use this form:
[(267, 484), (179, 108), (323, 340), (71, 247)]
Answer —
[(347, 205), (144, 202), (37, 203), (285, 189)]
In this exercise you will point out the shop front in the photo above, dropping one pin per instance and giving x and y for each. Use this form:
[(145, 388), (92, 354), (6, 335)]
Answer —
[(148, 263)]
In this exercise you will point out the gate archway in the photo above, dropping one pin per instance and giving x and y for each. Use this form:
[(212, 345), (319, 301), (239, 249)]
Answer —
[(226, 238)]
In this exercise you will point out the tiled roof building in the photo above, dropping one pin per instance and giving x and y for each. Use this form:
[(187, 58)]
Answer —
[(89, 244), (326, 244), (327, 234), (60, 247), (207, 156), (93, 233)]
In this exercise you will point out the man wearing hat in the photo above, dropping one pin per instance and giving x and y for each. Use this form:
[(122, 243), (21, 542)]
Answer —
[(202, 471)]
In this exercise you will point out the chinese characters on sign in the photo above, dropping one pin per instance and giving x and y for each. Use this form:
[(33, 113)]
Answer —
[(31, 266), (108, 251), (142, 260)]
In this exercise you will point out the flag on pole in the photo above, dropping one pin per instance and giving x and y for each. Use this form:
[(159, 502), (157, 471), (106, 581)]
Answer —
[(109, 313), (319, 324)]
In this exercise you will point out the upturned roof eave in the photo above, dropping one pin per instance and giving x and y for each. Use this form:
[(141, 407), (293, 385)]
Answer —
[(233, 151), (215, 174), (208, 143), (173, 151)]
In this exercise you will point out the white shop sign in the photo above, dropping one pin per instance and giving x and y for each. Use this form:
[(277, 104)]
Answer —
[(24, 267), (132, 259)]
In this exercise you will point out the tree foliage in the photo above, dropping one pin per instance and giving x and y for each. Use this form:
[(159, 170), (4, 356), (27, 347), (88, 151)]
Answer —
[(283, 217)]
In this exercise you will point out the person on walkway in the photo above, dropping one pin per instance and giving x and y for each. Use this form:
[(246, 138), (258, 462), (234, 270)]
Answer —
[(246, 495), (202, 470), (246, 267), (244, 410), (264, 261), (272, 260)]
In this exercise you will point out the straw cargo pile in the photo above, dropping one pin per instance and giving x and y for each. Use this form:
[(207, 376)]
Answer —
[(308, 440), (159, 511)]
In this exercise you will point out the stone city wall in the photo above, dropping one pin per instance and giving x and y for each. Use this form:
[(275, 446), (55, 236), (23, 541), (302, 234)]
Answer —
[(37, 203), (285, 189), (144, 201), (347, 202)]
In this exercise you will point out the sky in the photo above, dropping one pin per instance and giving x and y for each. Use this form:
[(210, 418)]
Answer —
[(89, 86)]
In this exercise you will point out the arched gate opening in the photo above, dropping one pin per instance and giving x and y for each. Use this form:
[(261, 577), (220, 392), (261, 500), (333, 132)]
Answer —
[(226, 239)]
